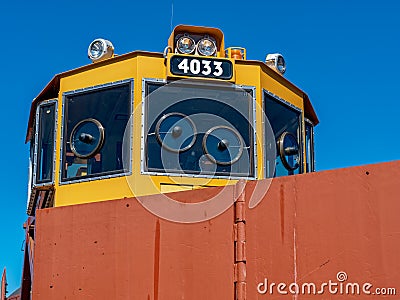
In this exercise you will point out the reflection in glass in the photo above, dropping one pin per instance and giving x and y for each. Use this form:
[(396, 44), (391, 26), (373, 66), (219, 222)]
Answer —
[(176, 132), (94, 125), (179, 115), (87, 138), (310, 165), (289, 151), (283, 118), (223, 145)]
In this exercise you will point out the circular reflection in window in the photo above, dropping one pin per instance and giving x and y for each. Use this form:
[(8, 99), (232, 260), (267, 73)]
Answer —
[(223, 145), (289, 151), (87, 138), (176, 132)]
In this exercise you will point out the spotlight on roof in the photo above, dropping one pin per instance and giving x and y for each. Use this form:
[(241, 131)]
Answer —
[(100, 49), (276, 62)]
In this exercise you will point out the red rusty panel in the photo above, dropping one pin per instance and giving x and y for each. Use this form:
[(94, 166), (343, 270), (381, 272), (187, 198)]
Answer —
[(307, 229), (118, 250), (313, 228)]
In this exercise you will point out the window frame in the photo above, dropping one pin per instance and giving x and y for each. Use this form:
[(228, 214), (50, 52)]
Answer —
[(143, 163), (35, 182), (300, 136), (63, 140)]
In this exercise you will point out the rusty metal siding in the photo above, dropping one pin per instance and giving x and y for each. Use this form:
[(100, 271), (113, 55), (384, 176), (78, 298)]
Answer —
[(306, 229)]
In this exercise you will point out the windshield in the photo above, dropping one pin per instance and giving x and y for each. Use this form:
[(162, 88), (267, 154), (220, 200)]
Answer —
[(200, 129)]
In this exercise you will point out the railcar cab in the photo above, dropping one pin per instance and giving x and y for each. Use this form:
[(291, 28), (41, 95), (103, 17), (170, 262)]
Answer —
[(196, 115)]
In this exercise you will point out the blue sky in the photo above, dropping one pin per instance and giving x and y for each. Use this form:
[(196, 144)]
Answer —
[(344, 54)]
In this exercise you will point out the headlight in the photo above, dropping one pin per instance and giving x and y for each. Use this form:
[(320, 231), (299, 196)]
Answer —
[(206, 47), (277, 62), (100, 49), (185, 45)]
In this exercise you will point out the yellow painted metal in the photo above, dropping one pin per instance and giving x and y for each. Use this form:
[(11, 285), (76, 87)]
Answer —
[(169, 188), (138, 67)]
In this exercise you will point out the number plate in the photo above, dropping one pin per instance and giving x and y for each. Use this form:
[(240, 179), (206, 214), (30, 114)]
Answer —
[(201, 67)]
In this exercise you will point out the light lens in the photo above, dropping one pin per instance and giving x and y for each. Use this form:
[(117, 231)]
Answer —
[(185, 45), (100, 49), (277, 62), (96, 49), (280, 64), (206, 47)]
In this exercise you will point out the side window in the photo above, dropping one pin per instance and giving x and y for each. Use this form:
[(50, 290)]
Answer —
[(285, 121), (45, 129), (95, 121), (310, 161)]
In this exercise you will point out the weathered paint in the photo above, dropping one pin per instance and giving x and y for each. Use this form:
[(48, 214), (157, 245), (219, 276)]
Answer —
[(118, 250), (307, 229), (311, 227)]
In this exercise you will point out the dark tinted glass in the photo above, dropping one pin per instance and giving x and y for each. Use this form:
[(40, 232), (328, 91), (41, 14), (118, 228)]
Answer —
[(283, 119), (45, 152), (223, 144), (215, 136), (176, 132), (309, 147), (87, 138), (289, 151), (109, 108)]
